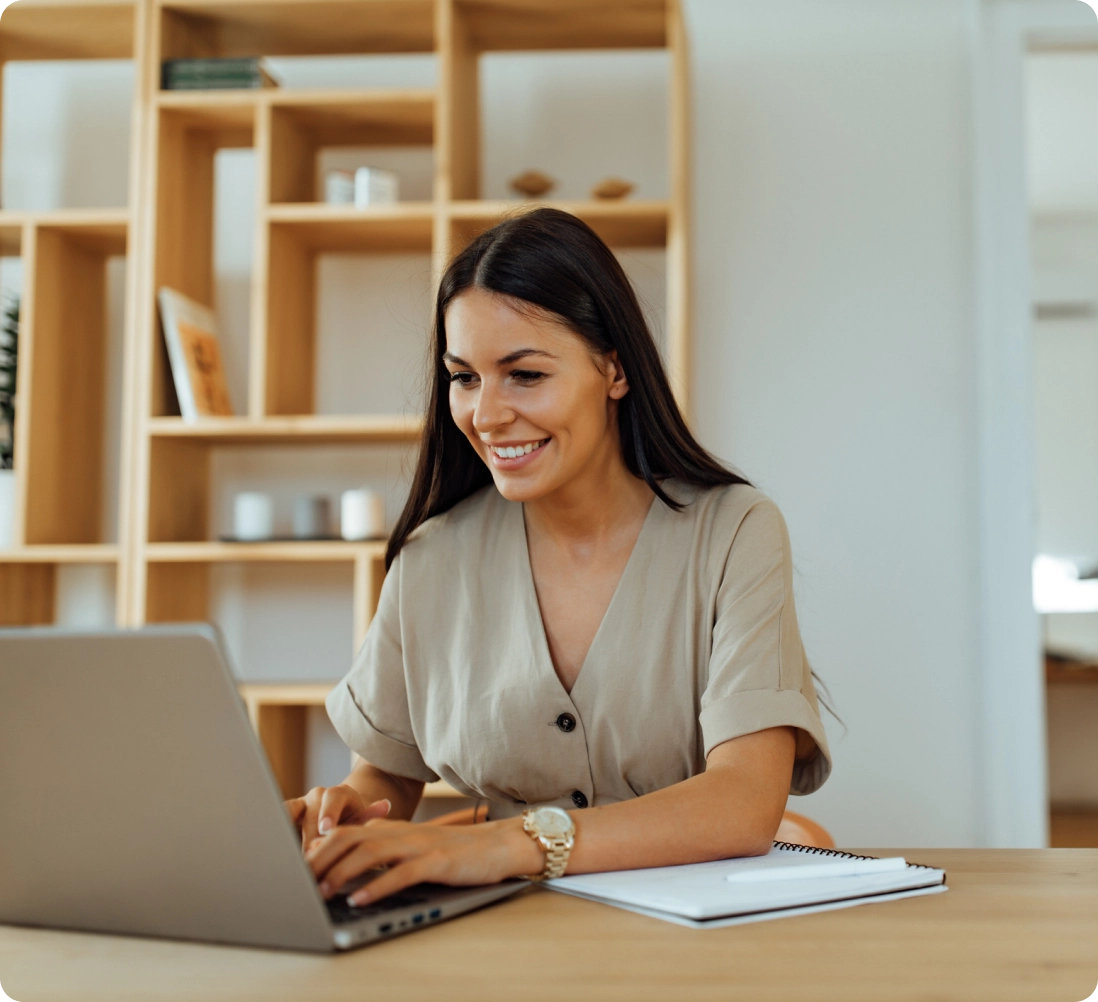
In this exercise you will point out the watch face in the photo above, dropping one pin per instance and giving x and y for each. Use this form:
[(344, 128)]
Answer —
[(552, 821)]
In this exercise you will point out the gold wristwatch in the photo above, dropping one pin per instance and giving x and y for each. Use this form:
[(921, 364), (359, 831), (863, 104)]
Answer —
[(553, 830)]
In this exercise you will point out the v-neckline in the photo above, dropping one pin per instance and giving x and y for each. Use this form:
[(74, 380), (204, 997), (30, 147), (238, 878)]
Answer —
[(544, 654)]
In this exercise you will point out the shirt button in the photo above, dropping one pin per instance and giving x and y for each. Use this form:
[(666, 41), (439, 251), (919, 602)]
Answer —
[(566, 722), (578, 798)]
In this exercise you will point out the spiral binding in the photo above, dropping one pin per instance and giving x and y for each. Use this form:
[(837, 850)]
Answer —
[(813, 850), (817, 851)]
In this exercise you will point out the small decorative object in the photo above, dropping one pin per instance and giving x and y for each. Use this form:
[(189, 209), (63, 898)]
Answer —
[(253, 516), (215, 74), (312, 516), (194, 351), (362, 514), (339, 187), (611, 188), (532, 183), (9, 354), (374, 186)]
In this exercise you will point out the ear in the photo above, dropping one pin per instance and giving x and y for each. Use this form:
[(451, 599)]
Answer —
[(616, 383)]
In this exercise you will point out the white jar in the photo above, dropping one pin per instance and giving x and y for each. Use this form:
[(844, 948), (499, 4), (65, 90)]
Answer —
[(361, 514), (253, 516)]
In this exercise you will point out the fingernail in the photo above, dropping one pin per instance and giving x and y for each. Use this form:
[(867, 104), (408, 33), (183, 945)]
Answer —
[(325, 825), (388, 805), (325, 889), (358, 899)]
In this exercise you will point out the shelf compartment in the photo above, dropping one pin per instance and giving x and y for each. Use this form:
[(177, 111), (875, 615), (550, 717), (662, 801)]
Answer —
[(285, 364), (622, 224), (495, 25), (211, 28), (60, 438), (302, 125), (28, 579), (93, 30), (289, 551), (381, 429)]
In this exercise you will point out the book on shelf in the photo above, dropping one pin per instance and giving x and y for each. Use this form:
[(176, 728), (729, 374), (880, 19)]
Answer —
[(216, 74), (194, 354)]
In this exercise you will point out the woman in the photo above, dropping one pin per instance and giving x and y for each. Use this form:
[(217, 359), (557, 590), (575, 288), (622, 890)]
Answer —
[(583, 609)]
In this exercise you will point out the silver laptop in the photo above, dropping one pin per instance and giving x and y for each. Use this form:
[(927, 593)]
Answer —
[(135, 798)]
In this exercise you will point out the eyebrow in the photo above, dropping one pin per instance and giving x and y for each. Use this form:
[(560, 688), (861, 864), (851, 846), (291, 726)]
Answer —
[(506, 360)]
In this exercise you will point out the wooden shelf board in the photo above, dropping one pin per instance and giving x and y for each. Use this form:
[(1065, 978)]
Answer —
[(285, 693), (564, 24), (360, 117), (76, 553), (306, 27), (103, 229), (336, 551), (67, 29), (290, 430), (620, 223), (227, 117), (1063, 671), (403, 227)]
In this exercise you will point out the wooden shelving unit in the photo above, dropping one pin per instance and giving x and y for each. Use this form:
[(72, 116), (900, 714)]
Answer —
[(62, 392), (166, 543)]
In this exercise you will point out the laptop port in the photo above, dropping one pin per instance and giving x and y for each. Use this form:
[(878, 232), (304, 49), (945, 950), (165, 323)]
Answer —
[(436, 913), (385, 927), (417, 919)]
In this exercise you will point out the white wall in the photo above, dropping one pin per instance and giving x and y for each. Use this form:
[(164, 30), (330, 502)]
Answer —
[(835, 366), (834, 363)]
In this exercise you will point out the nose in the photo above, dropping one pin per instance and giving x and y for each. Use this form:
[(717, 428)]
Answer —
[(491, 410)]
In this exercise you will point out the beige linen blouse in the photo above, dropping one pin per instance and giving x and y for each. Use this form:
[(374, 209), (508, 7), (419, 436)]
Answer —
[(698, 645)]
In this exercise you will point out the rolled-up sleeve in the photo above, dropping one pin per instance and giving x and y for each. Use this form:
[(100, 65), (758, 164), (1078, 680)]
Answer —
[(369, 707), (758, 674)]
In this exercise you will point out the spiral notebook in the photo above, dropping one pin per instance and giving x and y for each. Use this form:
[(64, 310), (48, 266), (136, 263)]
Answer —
[(788, 880)]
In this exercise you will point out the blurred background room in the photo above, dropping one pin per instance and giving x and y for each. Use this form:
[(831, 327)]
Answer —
[(876, 219)]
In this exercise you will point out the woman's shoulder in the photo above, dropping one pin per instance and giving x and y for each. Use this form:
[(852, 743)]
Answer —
[(725, 506), (463, 526)]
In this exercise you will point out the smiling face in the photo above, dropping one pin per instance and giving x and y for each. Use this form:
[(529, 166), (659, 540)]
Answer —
[(538, 407)]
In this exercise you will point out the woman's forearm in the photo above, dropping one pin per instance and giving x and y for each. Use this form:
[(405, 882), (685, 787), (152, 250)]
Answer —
[(732, 809), (374, 784)]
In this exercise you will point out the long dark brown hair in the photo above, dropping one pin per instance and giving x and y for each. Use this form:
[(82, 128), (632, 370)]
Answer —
[(558, 264)]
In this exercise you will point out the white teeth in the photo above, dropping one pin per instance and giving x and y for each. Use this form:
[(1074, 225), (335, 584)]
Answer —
[(514, 451)]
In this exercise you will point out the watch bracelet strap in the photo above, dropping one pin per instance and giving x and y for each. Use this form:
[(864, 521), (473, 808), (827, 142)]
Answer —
[(557, 851)]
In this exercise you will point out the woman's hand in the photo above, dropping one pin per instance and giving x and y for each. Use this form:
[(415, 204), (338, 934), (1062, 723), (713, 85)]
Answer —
[(323, 808), (458, 855)]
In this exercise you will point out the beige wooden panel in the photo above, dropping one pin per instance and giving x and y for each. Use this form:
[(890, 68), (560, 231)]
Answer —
[(177, 593), (290, 348), (304, 27), (26, 594), (33, 29), (65, 411), (179, 486), (564, 24)]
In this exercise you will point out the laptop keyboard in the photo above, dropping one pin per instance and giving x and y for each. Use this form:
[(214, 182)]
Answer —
[(341, 911)]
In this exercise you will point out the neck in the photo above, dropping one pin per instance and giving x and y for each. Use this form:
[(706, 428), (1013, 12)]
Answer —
[(592, 507)]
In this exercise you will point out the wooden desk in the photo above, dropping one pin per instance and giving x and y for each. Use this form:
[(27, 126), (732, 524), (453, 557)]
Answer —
[(1019, 924)]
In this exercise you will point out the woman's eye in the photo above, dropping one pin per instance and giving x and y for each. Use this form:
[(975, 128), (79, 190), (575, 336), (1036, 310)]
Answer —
[(524, 376), (461, 378)]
